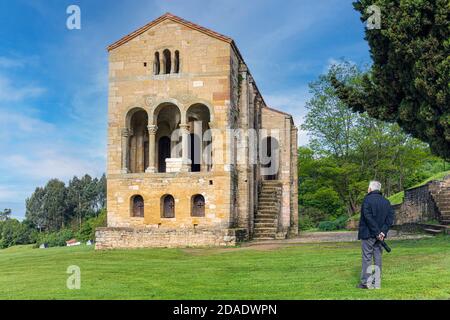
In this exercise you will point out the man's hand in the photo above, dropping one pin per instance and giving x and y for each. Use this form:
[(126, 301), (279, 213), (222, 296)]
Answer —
[(381, 236)]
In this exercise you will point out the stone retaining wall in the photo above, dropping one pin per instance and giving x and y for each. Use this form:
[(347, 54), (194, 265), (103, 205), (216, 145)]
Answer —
[(418, 206), (124, 238)]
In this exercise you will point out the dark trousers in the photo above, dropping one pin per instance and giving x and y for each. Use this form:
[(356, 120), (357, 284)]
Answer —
[(371, 262)]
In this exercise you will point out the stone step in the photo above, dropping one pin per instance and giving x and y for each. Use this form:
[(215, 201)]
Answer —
[(266, 220), (256, 237), (264, 234), (266, 229), (445, 222), (269, 194), (434, 231), (269, 233), (267, 182), (271, 188), (263, 217), (268, 200), (271, 208), (268, 203), (267, 213), (265, 225)]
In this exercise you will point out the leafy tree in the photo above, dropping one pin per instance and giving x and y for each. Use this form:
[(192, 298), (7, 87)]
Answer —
[(409, 81), (82, 197), (101, 193), (35, 209), (5, 214), (12, 232), (55, 204)]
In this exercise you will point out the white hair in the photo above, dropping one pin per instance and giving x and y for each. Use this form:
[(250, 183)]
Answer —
[(375, 185)]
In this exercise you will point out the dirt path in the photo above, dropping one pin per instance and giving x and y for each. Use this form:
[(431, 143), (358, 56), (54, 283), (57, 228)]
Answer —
[(338, 236), (304, 237)]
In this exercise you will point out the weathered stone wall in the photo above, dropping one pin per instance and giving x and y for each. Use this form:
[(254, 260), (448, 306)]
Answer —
[(116, 238), (280, 126), (418, 206), (204, 78), (182, 186)]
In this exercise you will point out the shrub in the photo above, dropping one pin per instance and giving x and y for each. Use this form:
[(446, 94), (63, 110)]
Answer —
[(305, 223), (316, 215), (338, 224), (87, 231)]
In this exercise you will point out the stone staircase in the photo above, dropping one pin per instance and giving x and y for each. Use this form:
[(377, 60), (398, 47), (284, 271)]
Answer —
[(269, 204), (441, 196)]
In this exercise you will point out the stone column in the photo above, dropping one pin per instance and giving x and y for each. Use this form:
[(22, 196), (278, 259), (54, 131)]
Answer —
[(186, 162), (125, 149), (152, 129)]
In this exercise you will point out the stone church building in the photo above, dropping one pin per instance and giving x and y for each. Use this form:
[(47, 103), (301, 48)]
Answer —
[(195, 156)]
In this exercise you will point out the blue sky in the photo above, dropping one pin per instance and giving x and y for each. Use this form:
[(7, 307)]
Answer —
[(53, 81)]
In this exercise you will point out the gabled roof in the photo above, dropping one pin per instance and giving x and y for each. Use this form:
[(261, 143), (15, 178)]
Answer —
[(169, 16)]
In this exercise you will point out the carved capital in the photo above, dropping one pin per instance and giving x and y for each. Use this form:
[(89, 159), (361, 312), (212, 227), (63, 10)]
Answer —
[(185, 127), (152, 129)]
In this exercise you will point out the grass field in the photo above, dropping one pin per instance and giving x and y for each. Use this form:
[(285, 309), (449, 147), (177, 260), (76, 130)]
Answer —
[(416, 269)]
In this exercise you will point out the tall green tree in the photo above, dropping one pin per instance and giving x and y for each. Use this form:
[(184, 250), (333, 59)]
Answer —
[(82, 197), (54, 205), (5, 214), (409, 81), (35, 209)]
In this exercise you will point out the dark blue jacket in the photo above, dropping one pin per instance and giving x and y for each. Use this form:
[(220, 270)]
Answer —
[(377, 215)]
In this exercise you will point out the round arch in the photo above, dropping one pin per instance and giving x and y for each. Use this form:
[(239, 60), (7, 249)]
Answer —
[(160, 104), (206, 105), (130, 113)]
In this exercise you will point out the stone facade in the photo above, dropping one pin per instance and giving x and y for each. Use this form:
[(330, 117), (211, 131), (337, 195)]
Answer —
[(172, 82), (123, 238)]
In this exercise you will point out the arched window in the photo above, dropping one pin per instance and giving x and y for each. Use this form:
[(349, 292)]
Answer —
[(156, 64), (198, 206), (177, 62), (167, 206), (167, 61), (137, 206)]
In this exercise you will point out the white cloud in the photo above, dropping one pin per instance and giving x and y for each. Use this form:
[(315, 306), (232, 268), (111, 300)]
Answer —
[(9, 192), (6, 62), (50, 164), (10, 92), (292, 101)]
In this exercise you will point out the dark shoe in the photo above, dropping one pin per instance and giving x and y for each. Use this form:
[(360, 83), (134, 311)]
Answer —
[(362, 286)]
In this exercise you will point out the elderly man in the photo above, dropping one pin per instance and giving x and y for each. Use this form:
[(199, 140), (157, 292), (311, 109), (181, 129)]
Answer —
[(377, 217)]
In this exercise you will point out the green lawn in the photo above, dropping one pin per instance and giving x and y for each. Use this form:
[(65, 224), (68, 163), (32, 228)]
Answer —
[(416, 269)]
